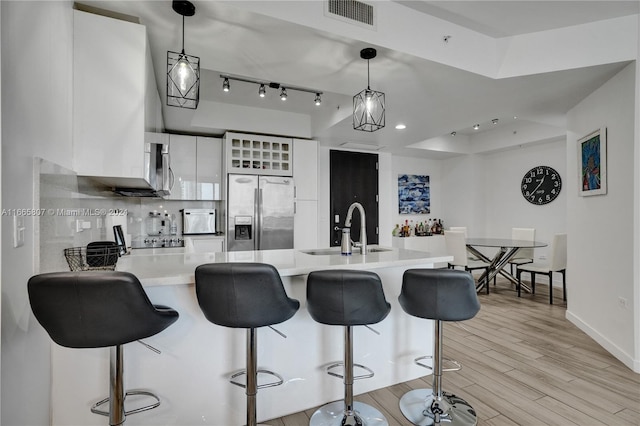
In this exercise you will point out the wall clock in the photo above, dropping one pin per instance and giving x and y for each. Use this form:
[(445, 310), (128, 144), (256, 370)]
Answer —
[(541, 185)]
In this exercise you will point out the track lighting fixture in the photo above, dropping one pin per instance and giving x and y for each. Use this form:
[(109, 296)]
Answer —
[(494, 121), (368, 105), (476, 126), (262, 90), (183, 71)]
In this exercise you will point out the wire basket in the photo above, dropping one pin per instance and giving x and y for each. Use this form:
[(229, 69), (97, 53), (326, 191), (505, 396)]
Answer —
[(92, 258)]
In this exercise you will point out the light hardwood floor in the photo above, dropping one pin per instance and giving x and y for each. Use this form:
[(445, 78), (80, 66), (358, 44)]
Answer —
[(523, 363)]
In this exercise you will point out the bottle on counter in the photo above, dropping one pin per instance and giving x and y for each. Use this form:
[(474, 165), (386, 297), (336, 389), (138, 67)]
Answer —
[(396, 231), (429, 225), (153, 224), (174, 225)]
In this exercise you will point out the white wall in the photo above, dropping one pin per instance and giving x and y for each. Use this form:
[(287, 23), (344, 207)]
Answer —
[(504, 205), (463, 194), (417, 166), (36, 117), (601, 261)]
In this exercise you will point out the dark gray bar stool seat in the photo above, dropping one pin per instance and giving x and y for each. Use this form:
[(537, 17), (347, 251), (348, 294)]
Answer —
[(97, 310), (347, 298), (245, 295), (440, 295)]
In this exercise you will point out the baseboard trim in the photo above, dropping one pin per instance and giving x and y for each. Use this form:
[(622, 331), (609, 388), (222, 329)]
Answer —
[(608, 345)]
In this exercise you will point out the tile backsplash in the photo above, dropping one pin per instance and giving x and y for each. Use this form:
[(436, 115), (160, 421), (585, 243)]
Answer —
[(79, 214)]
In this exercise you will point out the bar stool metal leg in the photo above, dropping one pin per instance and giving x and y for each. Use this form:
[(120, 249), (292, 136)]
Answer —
[(348, 412), (252, 376), (117, 413), (425, 407)]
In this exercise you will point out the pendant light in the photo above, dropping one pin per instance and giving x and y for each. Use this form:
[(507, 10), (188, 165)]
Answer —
[(183, 71), (368, 105)]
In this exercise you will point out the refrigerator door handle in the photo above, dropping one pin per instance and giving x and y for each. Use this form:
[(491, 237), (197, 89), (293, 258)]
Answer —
[(259, 216)]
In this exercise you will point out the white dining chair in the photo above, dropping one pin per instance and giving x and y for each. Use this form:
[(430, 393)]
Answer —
[(456, 244), (524, 255), (463, 229), (557, 263)]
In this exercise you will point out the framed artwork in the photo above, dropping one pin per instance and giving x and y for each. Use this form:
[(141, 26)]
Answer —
[(592, 159), (414, 195)]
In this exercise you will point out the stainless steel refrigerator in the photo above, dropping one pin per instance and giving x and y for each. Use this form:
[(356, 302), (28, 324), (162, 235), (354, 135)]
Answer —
[(260, 212)]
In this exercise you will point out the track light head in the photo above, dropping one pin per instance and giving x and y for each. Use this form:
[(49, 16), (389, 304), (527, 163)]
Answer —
[(261, 91), (225, 85), (318, 99), (283, 94)]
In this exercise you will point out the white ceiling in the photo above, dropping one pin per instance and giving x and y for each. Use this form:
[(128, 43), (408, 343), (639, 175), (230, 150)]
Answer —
[(431, 98)]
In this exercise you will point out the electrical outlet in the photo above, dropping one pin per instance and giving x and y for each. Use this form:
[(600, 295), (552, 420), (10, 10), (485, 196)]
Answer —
[(622, 302)]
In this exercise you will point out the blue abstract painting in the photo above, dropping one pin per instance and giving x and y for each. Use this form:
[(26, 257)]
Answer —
[(414, 195)]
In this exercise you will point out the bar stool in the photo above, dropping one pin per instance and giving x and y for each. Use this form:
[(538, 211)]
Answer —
[(245, 295), (440, 295), (96, 310), (346, 298)]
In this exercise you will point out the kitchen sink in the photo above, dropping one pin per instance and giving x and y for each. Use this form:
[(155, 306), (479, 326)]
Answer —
[(336, 250)]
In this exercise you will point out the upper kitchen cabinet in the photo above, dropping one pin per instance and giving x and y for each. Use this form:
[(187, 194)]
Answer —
[(208, 168), (115, 97), (258, 154), (305, 168), (196, 164), (182, 154)]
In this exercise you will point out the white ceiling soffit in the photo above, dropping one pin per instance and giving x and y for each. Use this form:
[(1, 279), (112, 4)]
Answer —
[(509, 18), (432, 86)]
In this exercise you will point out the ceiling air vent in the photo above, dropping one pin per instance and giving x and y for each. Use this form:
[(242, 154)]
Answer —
[(351, 11)]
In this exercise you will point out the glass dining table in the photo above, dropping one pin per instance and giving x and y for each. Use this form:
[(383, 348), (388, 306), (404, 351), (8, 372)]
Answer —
[(507, 249)]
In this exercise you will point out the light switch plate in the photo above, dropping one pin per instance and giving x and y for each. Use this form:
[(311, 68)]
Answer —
[(18, 231)]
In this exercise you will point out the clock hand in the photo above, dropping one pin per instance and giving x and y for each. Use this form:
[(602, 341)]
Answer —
[(534, 191)]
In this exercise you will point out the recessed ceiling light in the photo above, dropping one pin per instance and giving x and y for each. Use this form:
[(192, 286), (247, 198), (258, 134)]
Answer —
[(401, 126), (476, 126)]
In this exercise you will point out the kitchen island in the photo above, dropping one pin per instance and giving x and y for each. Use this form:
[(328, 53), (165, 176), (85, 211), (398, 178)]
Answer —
[(191, 374)]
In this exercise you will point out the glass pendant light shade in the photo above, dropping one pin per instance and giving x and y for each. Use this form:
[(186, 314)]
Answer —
[(183, 71), (183, 80), (368, 111), (368, 105)]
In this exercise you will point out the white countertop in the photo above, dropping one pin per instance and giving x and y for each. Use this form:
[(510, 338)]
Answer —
[(176, 268)]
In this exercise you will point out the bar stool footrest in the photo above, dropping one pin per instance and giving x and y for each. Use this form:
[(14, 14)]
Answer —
[(260, 371), (368, 375), (95, 410), (456, 365)]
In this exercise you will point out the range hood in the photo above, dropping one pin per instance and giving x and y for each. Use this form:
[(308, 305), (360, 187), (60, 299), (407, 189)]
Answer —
[(157, 180)]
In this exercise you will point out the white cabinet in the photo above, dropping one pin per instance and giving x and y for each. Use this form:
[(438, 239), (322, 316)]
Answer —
[(305, 168), (305, 225), (182, 151), (196, 163), (434, 244), (208, 168), (115, 98), (305, 176), (203, 244), (258, 154)]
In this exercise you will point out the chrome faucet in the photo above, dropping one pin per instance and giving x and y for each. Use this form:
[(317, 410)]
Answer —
[(363, 226)]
